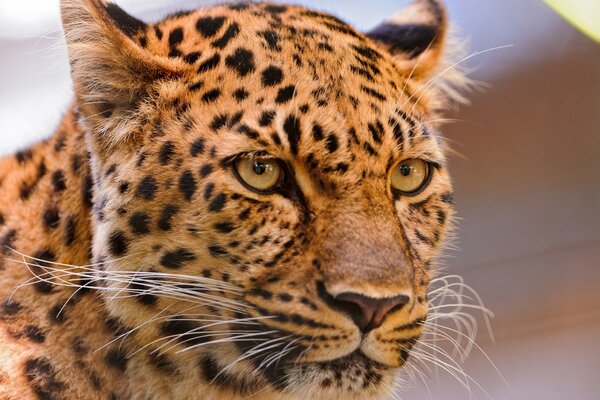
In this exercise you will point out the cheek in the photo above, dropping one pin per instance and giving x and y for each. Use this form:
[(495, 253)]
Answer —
[(240, 234)]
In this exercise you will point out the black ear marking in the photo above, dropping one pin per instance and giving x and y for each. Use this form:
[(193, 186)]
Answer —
[(126, 23), (417, 29), (412, 39)]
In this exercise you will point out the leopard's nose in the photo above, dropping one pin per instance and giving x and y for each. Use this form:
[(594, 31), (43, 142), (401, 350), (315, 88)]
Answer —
[(368, 313)]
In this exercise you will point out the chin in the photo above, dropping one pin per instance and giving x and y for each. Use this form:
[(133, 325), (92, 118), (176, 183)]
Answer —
[(354, 376)]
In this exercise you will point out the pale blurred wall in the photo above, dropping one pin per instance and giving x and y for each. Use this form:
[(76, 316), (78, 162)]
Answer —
[(528, 183)]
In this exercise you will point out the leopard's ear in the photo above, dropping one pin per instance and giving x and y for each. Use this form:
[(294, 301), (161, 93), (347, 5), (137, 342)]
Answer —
[(415, 36), (112, 73)]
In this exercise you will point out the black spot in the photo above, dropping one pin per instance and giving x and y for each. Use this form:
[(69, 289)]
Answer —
[(367, 52), (117, 359), (197, 147), (325, 46), (166, 217), (210, 368), (162, 363), (95, 380), (448, 198), (51, 218), (79, 346), (219, 121), (377, 131), (206, 170), (147, 188), (139, 223), (174, 53), (246, 130), (285, 297), (76, 163), (373, 93), (275, 9), (291, 127), (230, 33), (2, 221), (285, 94), (187, 184), (192, 57), (87, 193), (111, 170), (42, 376), (23, 156), (210, 63), (58, 181), (125, 22), (158, 33), (175, 259), (123, 187), (242, 61), (166, 153), (240, 94), (116, 326), (34, 333), (369, 149), (196, 86), (441, 216), (266, 118), (57, 314), (60, 144), (208, 190), (224, 227), (265, 294), (332, 143), (118, 243), (186, 331), (272, 76), (43, 259), (175, 37), (317, 132), (362, 72), (70, 231), (211, 95), (272, 39), (217, 251), (209, 26), (11, 309), (8, 240), (142, 295), (218, 203)]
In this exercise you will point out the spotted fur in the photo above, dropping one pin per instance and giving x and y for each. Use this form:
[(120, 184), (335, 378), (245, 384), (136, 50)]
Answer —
[(151, 272)]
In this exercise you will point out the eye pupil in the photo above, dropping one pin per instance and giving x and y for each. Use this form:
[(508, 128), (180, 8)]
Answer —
[(405, 170), (259, 168)]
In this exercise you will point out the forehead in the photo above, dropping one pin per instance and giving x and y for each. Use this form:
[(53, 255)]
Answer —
[(270, 69)]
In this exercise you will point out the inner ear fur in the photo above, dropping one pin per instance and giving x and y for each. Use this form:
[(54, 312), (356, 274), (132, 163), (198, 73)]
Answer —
[(111, 73)]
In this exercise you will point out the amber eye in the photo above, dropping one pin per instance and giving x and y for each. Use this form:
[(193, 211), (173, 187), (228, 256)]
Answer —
[(410, 176), (259, 174)]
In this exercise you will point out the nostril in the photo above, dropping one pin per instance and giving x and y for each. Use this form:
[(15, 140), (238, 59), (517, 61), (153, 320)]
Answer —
[(368, 313)]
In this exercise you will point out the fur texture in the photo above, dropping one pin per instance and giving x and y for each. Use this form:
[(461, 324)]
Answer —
[(146, 270)]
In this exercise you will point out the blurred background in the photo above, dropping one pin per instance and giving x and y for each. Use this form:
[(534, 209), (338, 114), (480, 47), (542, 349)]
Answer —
[(527, 177)]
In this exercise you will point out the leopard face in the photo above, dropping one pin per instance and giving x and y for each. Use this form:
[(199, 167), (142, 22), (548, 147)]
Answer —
[(270, 194)]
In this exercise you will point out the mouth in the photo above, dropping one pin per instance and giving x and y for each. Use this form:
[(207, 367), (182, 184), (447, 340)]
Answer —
[(349, 360)]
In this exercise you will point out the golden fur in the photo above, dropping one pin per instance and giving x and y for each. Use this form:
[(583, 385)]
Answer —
[(141, 250)]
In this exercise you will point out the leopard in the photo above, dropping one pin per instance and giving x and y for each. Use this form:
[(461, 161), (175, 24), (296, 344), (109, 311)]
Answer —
[(243, 200)]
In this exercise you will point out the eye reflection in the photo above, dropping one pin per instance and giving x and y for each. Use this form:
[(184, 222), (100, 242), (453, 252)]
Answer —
[(259, 174), (410, 176)]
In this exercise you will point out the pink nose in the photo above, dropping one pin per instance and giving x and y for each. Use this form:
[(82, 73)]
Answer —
[(368, 313)]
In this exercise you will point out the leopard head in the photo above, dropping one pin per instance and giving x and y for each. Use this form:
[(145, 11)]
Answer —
[(271, 192)]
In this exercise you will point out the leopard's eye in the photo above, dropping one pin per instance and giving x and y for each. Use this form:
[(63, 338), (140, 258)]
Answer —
[(259, 174), (409, 177)]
